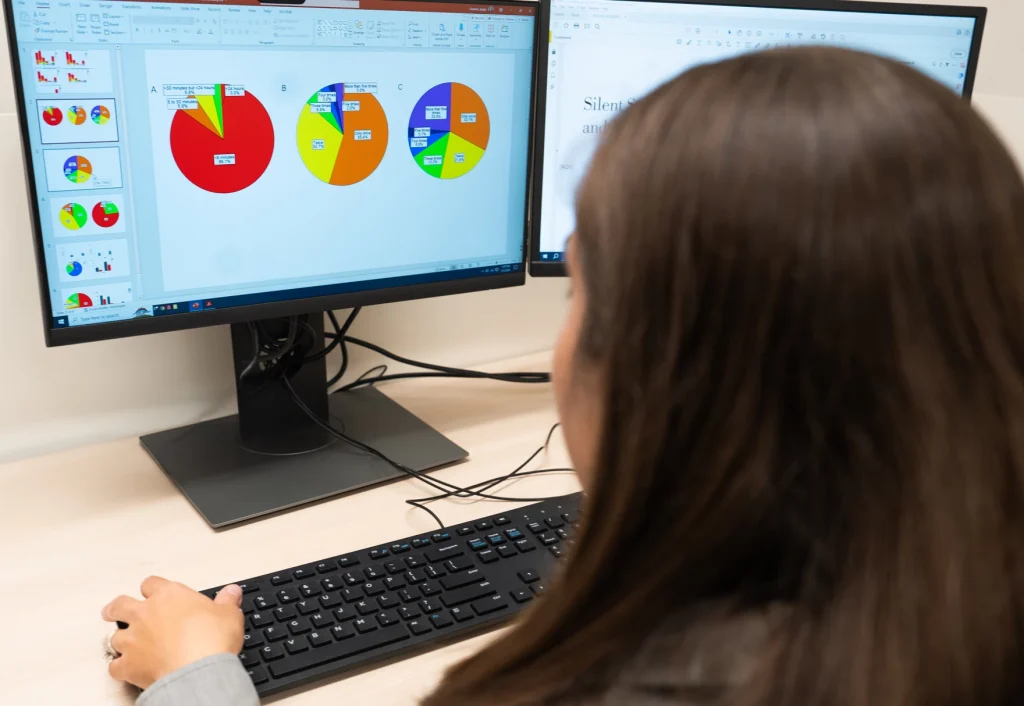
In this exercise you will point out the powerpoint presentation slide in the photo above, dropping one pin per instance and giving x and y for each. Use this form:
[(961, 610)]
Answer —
[(87, 120), (80, 216), (97, 295), (101, 259), (72, 71), (83, 168)]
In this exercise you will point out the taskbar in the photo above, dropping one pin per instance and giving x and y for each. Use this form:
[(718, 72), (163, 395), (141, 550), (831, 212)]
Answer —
[(556, 256), (120, 311)]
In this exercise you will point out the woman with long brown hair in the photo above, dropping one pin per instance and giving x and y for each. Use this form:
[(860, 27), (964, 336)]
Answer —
[(792, 383)]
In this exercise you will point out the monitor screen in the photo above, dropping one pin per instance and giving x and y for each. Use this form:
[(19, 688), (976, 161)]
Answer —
[(605, 54), (185, 157)]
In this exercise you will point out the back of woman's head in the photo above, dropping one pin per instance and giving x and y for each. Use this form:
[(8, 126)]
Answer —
[(804, 274)]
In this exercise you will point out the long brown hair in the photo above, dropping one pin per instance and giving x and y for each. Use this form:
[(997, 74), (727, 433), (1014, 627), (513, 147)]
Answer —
[(805, 283)]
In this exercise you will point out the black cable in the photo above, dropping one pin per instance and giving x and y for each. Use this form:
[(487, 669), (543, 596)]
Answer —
[(340, 333), (363, 380)]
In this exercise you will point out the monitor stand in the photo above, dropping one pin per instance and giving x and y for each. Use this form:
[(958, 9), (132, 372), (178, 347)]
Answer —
[(271, 456)]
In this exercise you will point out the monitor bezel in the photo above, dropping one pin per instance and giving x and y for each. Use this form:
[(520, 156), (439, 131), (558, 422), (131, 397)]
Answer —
[(546, 268), (60, 336)]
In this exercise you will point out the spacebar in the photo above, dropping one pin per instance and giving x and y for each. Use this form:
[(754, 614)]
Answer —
[(339, 650)]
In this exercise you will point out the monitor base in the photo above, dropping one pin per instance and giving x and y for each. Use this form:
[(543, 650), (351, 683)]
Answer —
[(228, 484)]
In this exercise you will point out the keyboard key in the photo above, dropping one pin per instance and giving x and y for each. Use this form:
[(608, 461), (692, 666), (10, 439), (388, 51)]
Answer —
[(326, 567), (490, 605), (513, 534), (374, 571), (488, 556), (463, 579), (536, 527), (400, 548), (467, 594), (365, 607), (557, 551), (524, 545), (253, 639), (347, 561), (554, 522), (387, 617), (439, 554), (393, 583), (421, 542), (339, 650), (439, 537), (319, 639), (407, 596), (287, 595), (414, 560), (353, 593), (433, 572), (408, 612), (258, 675), (271, 652), (249, 658), (373, 588), (259, 620), (329, 600), (363, 625), (569, 517), (414, 577), (351, 579), (483, 525), (308, 607), (465, 530), (294, 646), (393, 567), (458, 564), (429, 605), (263, 602), (303, 572), (528, 576), (378, 553), (440, 620), (299, 626), (343, 613), (343, 631), (547, 539), (430, 588), (388, 601), (562, 533), (462, 614), (477, 544), (418, 627), (507, 551), (248, 605), (280, 579), (284, 613), (332, 583), (501, 520), (250, 586), (495, 539), (521, 595), (274, 633), (321, 620), (537, 588)]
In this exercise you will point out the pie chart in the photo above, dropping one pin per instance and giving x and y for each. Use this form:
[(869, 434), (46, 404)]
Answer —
[(448, 130), (76, 115), (52, 116), (74, 268), (224, 144), (78, 301), (77, 169), (73, 216), (342, 135), (105, 214), (100, 114)]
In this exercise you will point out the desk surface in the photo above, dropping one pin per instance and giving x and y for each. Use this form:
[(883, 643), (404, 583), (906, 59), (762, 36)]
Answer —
[(79, 527)]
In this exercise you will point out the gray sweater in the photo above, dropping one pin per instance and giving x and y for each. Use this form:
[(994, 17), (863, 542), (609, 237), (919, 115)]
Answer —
[(692, 660)]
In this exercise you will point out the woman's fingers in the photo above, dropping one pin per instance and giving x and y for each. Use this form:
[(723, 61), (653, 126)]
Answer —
[(121, 608), (153, 584), (229, 595)]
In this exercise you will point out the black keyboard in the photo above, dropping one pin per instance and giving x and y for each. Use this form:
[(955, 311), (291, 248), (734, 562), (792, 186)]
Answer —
[(320, 619)]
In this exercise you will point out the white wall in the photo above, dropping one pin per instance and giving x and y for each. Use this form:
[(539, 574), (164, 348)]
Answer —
[(56, 398)]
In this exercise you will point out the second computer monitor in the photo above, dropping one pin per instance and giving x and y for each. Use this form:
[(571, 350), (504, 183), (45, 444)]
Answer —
[(605, 54)]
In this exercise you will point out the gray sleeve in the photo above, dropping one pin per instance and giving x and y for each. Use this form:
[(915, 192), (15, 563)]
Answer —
[(219, 680)]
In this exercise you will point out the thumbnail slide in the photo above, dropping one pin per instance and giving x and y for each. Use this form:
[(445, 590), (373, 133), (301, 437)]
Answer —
[(78, 169), (88, 120), (104, 259), (342, 133), (92, 216), (448, 130), (72, 71), (97, 295), (221, 135)]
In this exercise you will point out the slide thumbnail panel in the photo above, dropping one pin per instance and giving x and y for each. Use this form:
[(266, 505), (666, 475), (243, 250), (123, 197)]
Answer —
[(83, 168), (103, 259), (88, 216), (66, 121), (88, 296), (72, 71)]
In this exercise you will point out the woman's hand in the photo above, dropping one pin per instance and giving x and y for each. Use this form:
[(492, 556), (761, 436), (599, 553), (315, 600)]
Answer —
[(174, 626)]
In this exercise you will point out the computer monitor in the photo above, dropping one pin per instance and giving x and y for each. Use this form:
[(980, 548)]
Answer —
[(605, 54), (223, 161)]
